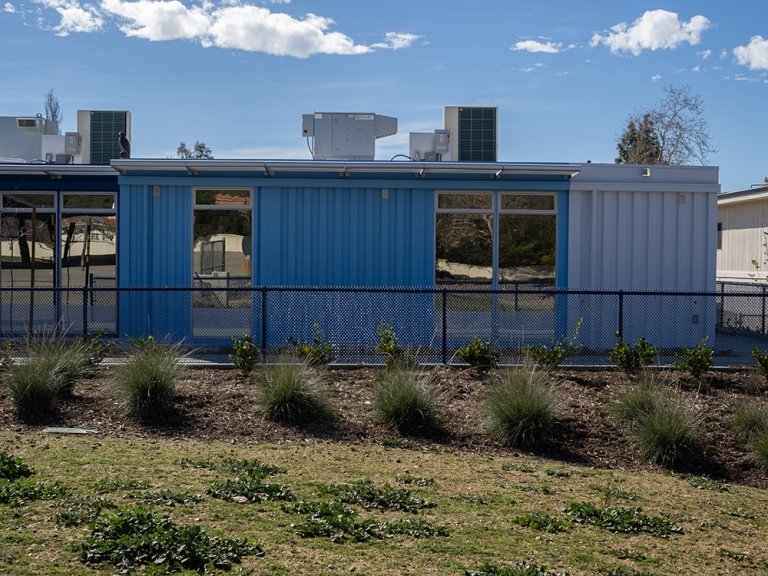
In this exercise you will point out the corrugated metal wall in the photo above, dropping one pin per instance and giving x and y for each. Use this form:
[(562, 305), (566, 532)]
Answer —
[(154, 249), (657, 236), (310, 236), (637, 240)]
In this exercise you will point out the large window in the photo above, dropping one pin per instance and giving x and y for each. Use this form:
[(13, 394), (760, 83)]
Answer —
[(221, 249), (527, 236), (52, 240), (492, 237)]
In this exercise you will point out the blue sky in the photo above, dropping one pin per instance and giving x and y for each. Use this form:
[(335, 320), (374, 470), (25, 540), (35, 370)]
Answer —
[(238, 74)]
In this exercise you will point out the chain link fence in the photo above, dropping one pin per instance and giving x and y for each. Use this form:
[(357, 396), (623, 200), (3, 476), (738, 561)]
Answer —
[(432, 323)]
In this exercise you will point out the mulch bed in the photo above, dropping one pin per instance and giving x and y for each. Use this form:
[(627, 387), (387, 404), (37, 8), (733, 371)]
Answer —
[(217, 404)]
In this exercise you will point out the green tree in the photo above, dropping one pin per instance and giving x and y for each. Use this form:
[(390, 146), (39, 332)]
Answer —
[(674, 131), (199, 151), (640, 143)]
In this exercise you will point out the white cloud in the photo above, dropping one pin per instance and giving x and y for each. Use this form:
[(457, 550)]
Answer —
[(536, 46), (656, 77), (159, 20), (258, 30), (754, 55), (10, 8), (233, 24), (654, 30), (704, 54), (74, 17), (396, 41)]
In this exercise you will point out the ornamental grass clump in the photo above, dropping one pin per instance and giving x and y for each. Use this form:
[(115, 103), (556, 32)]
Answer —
[(668, 434), (35, 387), (749, 421), (293, 394), (71, 360), (520, 408), (406, 400), (637, 402), (145, 384)]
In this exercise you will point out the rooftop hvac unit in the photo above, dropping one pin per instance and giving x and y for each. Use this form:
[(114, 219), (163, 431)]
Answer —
[(345, 135), (428, 146)]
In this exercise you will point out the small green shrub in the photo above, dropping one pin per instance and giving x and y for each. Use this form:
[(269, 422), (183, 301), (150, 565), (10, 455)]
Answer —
[(636, 402), (632, 358), (520, 409), (762, 362), (406, 401), (396, 356), (13, 468), (319, 352), (697, 361), (136, 537), (482, 355), (550, 357), (623, 520), (145, 384), (251, 468), (292, 393), (749, 420), (245, 354), (668, 433)]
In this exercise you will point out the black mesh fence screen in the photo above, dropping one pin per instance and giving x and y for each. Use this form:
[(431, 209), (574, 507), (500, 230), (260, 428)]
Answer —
[(432, 323)]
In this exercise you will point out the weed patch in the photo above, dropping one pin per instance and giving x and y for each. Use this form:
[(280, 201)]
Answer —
[(704, 483), (252, 489), (521, 568), (12, 468), (364, 493), (76, 510), (338, 522), (624, 520), (542, 521), (24, 490), (136, 537)]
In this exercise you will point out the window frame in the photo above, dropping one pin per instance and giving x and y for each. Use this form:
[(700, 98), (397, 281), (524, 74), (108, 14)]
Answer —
[(495, 211)]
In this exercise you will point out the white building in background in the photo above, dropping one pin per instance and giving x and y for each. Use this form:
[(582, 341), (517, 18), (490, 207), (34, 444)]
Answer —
[(742, 232)]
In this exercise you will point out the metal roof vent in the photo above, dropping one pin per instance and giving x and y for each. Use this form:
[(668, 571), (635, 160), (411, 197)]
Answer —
[(345, 135)]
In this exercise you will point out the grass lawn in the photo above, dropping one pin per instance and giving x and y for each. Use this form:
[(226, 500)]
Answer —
[(498, 510)]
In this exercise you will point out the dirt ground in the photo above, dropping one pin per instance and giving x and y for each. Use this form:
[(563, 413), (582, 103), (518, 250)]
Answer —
[(217, 404)]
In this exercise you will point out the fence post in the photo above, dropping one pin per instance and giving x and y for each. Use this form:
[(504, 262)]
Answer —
[(762, 328), (85, 311), (263, 324), (621, 315), (722, 303), (445, 326)]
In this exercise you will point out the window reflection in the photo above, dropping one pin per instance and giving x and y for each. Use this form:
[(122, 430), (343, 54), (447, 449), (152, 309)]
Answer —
[(88, 250), (222, 257), (527, 248), (464, 248), (27, 250)]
